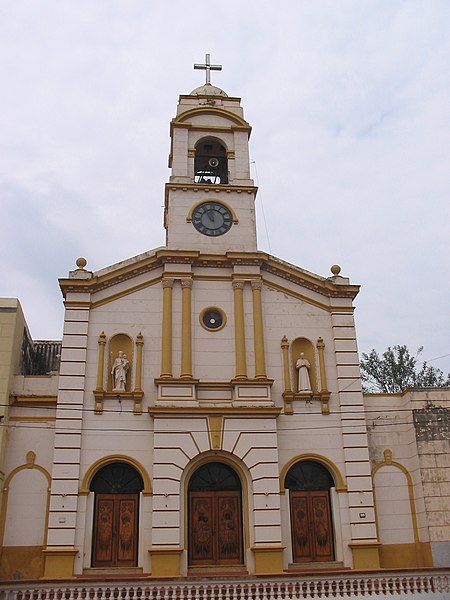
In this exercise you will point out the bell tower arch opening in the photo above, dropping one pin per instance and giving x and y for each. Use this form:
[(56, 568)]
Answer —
[(210, 162)]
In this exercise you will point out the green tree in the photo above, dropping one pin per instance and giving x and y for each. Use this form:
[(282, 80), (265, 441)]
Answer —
[(396, 369)]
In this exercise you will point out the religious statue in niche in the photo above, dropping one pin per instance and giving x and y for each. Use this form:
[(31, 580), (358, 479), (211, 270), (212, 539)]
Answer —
[(119, 372), (303, 367)]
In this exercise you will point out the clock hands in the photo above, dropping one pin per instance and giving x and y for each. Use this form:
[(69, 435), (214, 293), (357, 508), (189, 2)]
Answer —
[(211, 215)]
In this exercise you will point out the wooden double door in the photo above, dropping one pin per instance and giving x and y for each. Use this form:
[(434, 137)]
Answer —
[(215, 528), (312, 531), (115, 540)]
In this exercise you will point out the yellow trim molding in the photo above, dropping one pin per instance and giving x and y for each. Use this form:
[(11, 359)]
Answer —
[(209, 110), (239, 330), (165, 561), (59, 562), (106, 460), (227, 206), (30, 464), (268, 559), (323, 460), (365, 555), (402, 557)]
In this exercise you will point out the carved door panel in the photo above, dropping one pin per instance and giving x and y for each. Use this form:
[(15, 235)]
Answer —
[(312, 538), (229, 528), (115, 530), (103, 531), (215, 528), (201, 528)]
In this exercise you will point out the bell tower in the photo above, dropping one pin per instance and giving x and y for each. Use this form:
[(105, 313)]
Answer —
[(210, 196)]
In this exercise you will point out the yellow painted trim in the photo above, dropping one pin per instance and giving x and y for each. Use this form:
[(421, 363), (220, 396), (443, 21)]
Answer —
[(122, 294), (231, 461), (252, 411), (30, 464), (320, 345), (33, 401), (268, 559), (186, 328), (412, 503), (101, 361), (138, 378), (215, 431), (366, 555), (297, 296), (239, 330), (224, 204), (166, 334), (106, 460), (209, 110), (165, 561), (33, 419), (222, 314), (59, 562), (323, 460)]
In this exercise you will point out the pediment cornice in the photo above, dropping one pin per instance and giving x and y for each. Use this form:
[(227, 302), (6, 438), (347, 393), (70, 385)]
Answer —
[(151, 261)]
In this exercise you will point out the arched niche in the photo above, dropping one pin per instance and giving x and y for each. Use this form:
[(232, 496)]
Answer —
[(120, 342), (304, 345), (210, 161), (339, 482)]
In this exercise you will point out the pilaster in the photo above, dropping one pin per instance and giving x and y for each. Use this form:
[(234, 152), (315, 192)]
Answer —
[(258, 331), (186, 329), (166, 336), (239, 330)]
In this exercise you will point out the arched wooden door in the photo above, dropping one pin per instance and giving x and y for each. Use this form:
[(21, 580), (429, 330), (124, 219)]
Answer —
[(115, 540), (215, 516), (309, 486)]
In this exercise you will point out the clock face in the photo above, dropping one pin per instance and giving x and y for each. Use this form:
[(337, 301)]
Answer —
[(212, 218)]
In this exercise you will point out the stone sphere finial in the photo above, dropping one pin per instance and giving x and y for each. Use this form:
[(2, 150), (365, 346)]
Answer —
[(335, 269), (81, 262)]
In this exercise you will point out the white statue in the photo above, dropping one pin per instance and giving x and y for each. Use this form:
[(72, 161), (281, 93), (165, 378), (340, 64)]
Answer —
[(303, 366), (119, 372)]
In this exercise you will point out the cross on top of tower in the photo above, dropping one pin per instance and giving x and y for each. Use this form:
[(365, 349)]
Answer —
[(208, 67)]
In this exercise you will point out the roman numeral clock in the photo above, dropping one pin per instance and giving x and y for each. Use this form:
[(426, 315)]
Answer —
[(212, 218)]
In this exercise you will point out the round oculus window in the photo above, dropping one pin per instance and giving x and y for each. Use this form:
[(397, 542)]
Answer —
[(213, 318)]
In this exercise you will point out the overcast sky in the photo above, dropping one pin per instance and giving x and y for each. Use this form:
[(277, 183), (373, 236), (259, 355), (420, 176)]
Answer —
[(350, 107)]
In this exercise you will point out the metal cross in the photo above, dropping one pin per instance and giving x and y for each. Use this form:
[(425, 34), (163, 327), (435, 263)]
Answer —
[(208, 67)]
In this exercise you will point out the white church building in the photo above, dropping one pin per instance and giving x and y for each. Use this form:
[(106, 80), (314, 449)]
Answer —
[(203, 416)]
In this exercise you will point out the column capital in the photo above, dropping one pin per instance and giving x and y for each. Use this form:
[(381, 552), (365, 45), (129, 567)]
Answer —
[(139, 339), (238, 284), (102, 338), (284, 342), (256, 285), (320, 344), (167, 283), (186, 282)]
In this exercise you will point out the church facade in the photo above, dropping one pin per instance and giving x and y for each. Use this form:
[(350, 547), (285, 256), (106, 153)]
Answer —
[(204, 412)]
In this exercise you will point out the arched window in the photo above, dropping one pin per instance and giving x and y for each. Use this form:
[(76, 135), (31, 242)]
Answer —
[(307, 476), (117, 478), (210, 163), (213, 477)]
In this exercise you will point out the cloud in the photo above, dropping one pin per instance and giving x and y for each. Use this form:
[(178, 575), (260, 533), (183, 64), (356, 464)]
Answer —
[(349, 107)]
